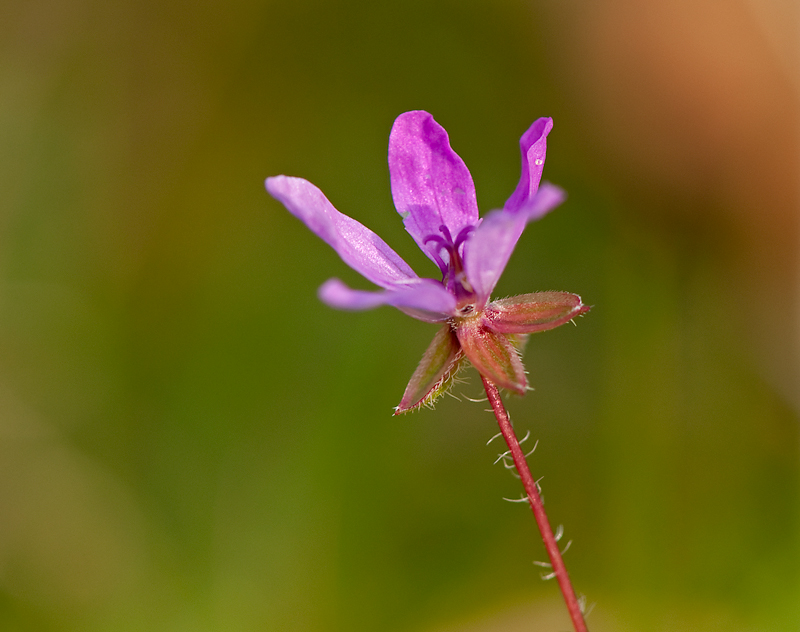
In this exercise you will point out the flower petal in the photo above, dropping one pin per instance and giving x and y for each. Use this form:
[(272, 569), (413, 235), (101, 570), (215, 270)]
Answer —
[(492, 354), (547, 197), (425, 299), (357, 245), (529, 313), (431, 185), (435, 372), (533, 147), (487, 251)]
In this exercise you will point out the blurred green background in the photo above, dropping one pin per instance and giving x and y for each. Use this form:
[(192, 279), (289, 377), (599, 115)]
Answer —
[(190, 441)]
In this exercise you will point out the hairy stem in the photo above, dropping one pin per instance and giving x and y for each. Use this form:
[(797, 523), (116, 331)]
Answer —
[(537, 506)]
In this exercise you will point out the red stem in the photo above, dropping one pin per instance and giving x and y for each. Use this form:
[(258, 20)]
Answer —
[(537, 506)]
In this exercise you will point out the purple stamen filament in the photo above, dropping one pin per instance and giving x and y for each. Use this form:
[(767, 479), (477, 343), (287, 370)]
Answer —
[(453, 277)]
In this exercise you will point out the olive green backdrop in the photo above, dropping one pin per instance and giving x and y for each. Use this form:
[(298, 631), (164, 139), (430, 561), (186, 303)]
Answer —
[(190, 441)]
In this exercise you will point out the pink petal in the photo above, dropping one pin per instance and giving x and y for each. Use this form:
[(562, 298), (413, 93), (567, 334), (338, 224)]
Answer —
[(431, 185), (357, 245), (533, 147), (488, 250), (424, 299)]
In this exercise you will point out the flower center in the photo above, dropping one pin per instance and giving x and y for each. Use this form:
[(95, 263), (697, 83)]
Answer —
[(448, 257), (466, 310)]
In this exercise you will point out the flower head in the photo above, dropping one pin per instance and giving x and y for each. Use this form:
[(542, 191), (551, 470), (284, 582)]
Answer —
[(434, 194)]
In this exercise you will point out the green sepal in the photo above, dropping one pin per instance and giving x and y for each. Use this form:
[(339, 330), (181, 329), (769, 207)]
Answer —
[(529, 313), (493, 354), (435, 372)]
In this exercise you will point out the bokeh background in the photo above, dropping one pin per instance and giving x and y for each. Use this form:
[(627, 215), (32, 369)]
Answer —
[(190, 441)]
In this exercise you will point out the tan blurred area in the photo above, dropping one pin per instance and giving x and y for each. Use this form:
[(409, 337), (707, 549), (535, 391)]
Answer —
[(698, 99)]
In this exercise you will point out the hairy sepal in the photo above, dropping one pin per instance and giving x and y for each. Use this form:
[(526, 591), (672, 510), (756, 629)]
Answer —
[(530, 313), (493, 354), (435, 372)]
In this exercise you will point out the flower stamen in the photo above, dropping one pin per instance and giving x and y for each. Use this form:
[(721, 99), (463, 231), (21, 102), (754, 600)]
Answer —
[(453, 276)]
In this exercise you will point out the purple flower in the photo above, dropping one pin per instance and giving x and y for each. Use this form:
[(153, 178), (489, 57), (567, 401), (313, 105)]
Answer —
[(434, 194)]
